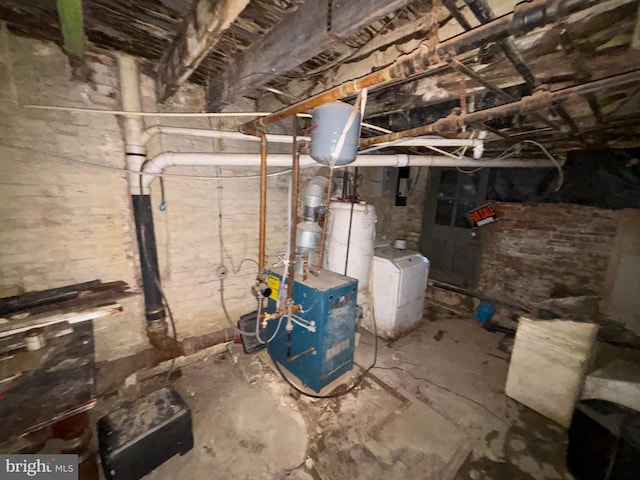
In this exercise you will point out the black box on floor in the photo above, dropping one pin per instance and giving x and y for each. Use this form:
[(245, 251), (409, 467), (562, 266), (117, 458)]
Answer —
[(250, 343), (604, 442), (138, 437)]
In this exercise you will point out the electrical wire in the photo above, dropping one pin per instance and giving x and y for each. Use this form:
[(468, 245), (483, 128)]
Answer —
[(222, 254), (553, 159), (227, 316)]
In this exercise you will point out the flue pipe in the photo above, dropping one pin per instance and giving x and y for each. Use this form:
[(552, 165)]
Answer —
[(525, 17), (538, 100), (325, 222)]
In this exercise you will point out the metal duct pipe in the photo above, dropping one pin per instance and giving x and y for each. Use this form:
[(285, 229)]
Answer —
[(538, 100), (525, 17), (141, 199), (313, 196), (308, 230)]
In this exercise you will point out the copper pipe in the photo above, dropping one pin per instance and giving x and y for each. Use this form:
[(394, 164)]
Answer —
[(281, 313), (525, 17), (263, 195), (295, 357), (531, 103), (323, 237), (295, 180)]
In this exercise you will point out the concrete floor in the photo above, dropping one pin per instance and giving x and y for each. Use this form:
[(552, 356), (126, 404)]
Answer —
[(433, 408)]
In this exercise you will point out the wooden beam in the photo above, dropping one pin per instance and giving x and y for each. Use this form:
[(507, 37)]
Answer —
[(348, 17), (72, 26), (201, 30), (299, 37)]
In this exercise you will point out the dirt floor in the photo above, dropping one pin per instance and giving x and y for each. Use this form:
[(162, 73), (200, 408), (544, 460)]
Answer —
[(433, 408)]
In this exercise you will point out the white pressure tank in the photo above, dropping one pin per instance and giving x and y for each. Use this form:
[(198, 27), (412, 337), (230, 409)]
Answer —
[(362, 218)]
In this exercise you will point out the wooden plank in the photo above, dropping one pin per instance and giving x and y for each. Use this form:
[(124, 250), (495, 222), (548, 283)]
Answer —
[(201, 30), (84, 300), (12, 291), (39, 321), (299, 37), (42, 297), (345, 12)]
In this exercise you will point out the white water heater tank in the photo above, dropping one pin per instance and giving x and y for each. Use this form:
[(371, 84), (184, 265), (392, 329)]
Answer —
[(359, 246)]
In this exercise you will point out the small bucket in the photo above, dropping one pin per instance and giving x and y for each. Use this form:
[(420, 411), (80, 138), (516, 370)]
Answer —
[(484, 312)]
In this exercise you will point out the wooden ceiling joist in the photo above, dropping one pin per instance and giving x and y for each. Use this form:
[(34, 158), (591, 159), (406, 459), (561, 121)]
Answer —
[(310, 30), (201, 30)]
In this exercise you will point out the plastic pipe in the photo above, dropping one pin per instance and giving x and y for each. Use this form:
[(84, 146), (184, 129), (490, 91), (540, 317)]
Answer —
[(154, 130), (164, 160), (132, 126), (206, 133), (141, 201)]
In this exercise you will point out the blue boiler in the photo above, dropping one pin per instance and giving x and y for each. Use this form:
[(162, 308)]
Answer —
[(317, 357)]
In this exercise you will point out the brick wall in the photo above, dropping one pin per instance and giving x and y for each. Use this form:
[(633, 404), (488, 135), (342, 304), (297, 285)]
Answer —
[(63, 223), (534, 252), (537, 249)]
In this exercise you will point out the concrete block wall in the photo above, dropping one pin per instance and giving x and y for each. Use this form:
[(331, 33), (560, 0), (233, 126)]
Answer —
[(62, 222)]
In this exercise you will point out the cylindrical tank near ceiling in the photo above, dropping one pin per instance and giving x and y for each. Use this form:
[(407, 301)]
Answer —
[(357, 264), (330, 122)]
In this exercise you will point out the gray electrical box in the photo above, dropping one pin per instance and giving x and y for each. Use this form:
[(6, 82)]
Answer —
[(388, 182)]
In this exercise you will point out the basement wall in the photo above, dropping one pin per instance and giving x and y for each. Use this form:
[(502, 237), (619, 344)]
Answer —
[(536, 251), (544, 250), (63, 223)]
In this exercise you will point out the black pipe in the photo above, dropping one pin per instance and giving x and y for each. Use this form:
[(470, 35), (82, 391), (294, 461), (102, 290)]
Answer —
[(456, 14), (154, 307)]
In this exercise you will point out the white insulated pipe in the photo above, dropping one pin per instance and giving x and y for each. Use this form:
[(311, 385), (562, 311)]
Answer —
[(133, 126), (164, 160), (206, 133), (272, 138)]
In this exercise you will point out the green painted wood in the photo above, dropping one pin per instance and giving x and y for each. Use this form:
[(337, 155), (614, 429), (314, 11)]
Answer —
[(72, 26)]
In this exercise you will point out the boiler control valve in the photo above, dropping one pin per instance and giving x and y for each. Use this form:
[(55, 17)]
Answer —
[(261, 290)]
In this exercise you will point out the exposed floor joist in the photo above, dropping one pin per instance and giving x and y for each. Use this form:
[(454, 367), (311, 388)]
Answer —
[(303, 35), (200, 32)]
